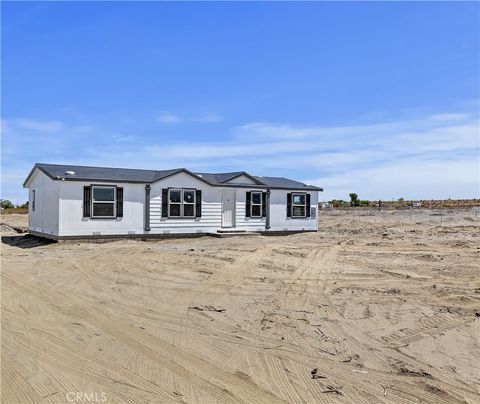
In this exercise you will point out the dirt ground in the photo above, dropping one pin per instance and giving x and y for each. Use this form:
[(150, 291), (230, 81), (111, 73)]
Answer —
[(378, 306)]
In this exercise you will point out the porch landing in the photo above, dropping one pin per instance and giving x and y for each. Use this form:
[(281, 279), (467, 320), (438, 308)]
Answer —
[(233, 232)]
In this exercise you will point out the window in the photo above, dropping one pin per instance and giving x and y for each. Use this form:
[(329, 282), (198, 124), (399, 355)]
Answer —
[(103, 202), (256, 205), (174, 202), (188, 203), (181, 203), (33, 200), (299, 205)]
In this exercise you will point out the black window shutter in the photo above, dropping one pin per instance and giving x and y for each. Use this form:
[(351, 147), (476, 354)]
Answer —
[(248, 202), (289, 205), (198, 203), (308, 205), (119, 202), (264, 204), (86, 201), (164, 202)]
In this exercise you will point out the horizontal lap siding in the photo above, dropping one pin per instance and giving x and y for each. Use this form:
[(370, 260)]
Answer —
[(211, 219), (211, 216), (66, 206), (243, 222)]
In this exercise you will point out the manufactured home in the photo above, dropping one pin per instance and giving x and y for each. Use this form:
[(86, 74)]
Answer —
[(72, 202)]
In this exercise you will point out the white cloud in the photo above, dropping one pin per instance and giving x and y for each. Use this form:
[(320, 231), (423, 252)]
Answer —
[(448, 117), (119, 137), (433, 157), (436, 156), (4, 127), (209, 118), (168, 118), (409, 179), (40, 126)]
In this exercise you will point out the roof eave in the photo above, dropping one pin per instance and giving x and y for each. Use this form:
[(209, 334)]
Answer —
[(182, 170), (258, 183), (37, 165)]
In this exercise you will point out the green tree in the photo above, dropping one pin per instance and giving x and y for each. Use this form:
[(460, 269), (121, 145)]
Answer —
[(6, 204), (354, 199)]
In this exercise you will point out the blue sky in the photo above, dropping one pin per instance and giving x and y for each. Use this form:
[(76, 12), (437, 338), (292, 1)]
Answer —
[(381, 99)]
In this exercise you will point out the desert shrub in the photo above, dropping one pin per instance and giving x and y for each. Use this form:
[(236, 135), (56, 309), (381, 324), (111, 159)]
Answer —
[(338, 203), (15, 210)]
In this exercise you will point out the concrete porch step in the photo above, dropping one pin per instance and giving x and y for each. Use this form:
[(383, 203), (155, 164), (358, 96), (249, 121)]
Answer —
[(234, 233), (231, 231)]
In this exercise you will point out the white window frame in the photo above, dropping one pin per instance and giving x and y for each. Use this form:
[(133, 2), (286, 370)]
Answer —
[(93, 201), (294, 205), (182, 203), (256, 204)]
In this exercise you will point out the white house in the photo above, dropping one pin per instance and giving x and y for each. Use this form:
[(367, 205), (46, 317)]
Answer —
[(97, 202)]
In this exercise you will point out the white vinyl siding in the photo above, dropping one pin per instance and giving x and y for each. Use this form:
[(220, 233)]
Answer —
[(43, 214), (63, 213), (211, 218)]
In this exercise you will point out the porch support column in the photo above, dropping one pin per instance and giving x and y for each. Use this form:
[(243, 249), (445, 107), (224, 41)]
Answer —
[(147, 207), (267, 219)]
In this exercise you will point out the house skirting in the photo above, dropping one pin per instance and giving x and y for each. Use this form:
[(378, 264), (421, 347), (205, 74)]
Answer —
[(145, 237)]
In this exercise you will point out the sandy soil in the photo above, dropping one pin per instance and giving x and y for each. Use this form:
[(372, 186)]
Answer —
[(384, 305)]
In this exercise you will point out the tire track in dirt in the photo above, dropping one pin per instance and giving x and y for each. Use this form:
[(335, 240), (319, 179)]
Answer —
[(341, 325), (432, 326), (309, 270), (338, 375), (154, 301), (359, 341), (91, 368), (228, 388), (24, 392), (233, 278), (232, 275)]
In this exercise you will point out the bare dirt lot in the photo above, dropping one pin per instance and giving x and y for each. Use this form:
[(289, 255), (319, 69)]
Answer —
[(375, 307)]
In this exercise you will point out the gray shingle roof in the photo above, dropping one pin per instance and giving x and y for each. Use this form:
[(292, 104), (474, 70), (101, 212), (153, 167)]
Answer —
[(109, 174), (282, 182), (103, 173), (222, 178), (218, 178)]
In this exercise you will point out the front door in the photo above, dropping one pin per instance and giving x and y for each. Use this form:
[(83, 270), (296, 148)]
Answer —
[(228, 208)]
